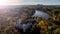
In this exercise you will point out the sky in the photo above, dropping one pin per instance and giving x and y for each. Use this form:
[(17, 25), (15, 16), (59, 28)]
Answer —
[(29, 2), (44, 2)]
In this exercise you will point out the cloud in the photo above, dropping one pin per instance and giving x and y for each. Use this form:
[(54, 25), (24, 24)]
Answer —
[(27, 2)]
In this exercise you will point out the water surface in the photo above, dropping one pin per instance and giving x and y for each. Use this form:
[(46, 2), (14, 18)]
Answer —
[(42, 14)]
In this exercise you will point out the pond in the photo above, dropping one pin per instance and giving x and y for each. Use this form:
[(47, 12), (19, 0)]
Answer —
[(42, 14), (24, 27)]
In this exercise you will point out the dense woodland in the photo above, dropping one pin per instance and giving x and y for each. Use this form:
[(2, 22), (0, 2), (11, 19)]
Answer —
[(43, 26)]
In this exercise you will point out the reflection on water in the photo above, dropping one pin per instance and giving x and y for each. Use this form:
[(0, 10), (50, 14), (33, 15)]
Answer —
[(41, 14), (23, 27)]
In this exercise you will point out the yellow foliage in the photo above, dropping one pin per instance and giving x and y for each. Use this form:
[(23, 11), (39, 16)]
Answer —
[(42, 25)]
